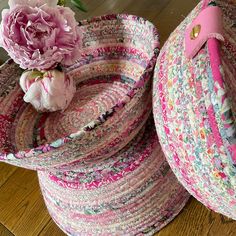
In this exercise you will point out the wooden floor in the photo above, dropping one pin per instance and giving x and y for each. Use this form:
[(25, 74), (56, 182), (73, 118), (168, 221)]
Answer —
[(22, 211)]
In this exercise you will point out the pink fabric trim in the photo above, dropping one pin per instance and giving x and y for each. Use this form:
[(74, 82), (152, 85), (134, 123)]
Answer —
[(210, 20), (215, 61)]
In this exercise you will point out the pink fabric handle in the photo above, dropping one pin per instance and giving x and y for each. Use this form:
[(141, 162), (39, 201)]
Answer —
[(210, 21)]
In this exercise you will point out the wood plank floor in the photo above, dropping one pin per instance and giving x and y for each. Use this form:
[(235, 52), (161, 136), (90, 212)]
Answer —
[(22, 211)]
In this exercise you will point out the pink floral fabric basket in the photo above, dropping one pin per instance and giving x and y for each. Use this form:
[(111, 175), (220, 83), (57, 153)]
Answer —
[(112, 102), (132, 193), (194, 104)]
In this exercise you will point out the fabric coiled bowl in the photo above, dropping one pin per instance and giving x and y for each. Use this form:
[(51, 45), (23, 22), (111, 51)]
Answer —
[(112, 102), (134, 192)]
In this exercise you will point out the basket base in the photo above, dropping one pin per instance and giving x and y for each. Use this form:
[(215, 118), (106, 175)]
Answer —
[(123, 195)]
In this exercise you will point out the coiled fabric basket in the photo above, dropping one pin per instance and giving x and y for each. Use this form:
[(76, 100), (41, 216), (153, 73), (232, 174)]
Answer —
[(133, 193), (113, 99), (194, 105)]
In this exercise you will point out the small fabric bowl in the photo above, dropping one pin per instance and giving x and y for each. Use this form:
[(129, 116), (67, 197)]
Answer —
[(195, 109), (132, 193), (112, 102)]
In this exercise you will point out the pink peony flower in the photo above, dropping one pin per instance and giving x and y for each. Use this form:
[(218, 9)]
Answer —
[(39, 34), (49, 91)]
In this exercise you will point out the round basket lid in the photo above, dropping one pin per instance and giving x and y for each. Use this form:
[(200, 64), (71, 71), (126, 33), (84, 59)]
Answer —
[(194, 104)]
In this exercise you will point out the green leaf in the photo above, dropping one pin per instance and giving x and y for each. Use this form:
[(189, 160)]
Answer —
[(61, 2), (79, 5)]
